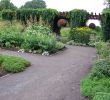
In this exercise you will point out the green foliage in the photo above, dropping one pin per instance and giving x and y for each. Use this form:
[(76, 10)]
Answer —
[(100, 69), (81, 35), (36, 29), (105, 23), (34, 38), (65, 32), (102, 96), (98, 29), (10, 39), (102, 49), (78, 17), (6, 4), (14, 64), (59, 45), (39, 41), (8, 15), (97, 81), (47, 15), (34, 4), (90, 88)]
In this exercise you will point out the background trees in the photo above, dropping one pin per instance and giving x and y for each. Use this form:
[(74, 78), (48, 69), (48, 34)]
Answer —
[(6, 4), (35, 4)]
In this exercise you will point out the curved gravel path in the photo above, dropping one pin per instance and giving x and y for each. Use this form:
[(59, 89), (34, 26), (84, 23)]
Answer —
[(55, 77)]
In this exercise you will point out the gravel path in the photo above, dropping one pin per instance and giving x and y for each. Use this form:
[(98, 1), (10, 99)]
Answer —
[(56, 77)]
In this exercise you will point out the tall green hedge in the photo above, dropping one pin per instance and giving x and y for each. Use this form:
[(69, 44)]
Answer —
[(78, 17), (8, 15), (105, 22), (23, 15)]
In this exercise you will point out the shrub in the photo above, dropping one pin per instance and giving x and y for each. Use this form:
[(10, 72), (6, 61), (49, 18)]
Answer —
[(102, 96), (35, 29), (39, 41), (92, 26), (90, 88), (14, 64), (102, 49), (10, 39), (97, 81), (98, 29), (34, 38), (65, 32), (59, 45), (81, 35), (100, 69)]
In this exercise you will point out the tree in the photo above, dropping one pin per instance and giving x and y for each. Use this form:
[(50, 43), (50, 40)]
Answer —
[(107, 2), (35, 4), (6, 4)]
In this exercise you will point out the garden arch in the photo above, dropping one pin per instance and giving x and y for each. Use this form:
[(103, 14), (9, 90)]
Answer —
[(94, 18)]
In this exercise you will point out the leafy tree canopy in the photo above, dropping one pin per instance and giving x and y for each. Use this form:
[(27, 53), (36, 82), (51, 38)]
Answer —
[(35, 4), (6, 4)]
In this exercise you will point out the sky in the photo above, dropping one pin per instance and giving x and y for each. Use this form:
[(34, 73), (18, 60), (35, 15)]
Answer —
[(67, 5)]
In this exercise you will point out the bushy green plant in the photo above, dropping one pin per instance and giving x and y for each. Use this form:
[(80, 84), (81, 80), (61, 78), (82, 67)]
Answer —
[(90, 87), (14, 64), (65, 32), (102, 49), (81, 35), (39, 41), (98, 29), (97, 81), (34, 38), (35, 29), (59, 46), (102, 96), (10, 40), (100, 69)]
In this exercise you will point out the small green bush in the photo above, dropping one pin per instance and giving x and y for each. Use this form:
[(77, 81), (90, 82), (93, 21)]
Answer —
[(100, 69), (34, 38), (36, 29), (102, 49), (59, 45), (90, 87), (10, 39), (65, 32), (81, 35), (14, 64), (102, 96), (39, 41)]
